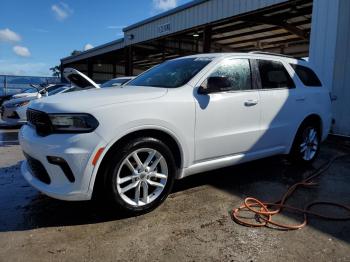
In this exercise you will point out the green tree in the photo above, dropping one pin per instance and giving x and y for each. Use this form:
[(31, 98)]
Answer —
[(56, 71)]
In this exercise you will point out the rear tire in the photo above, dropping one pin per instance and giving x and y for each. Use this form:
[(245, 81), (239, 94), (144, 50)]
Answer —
[(306, 145), (140, 175)]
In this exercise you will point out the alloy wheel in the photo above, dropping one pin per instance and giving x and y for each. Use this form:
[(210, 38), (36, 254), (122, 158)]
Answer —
[(142, 176), (309, 145)]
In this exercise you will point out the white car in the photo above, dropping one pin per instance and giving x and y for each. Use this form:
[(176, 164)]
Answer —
[(182, 117), (13, 111), (34, 90)]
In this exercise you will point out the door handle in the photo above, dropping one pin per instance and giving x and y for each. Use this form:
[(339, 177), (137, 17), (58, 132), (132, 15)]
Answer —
[(300, 99), (251, 102)]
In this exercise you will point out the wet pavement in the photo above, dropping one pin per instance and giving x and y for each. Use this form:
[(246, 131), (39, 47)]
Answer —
[(193, 223)]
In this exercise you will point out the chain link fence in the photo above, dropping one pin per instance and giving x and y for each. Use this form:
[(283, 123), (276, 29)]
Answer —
[(15, 84)]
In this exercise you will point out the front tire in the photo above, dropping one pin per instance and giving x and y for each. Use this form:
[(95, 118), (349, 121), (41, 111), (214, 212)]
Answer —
[(306, 144), (140, 175)]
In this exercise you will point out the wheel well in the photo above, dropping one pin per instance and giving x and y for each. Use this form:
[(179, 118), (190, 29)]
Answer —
[(158, 134), (316, 119)]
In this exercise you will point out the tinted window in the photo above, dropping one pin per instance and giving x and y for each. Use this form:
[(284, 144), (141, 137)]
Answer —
[(274, 75), (306, 75), (173, 73), (237, 72)]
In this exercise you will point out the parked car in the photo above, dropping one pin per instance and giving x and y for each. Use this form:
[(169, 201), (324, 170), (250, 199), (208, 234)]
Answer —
[(119, 81), (182, 117), (13, 111), (30, 92), (35, 89)]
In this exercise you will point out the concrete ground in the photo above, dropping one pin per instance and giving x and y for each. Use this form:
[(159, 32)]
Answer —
[(193, 224)]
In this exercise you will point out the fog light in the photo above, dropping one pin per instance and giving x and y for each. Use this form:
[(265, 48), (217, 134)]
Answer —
[(58, 161)]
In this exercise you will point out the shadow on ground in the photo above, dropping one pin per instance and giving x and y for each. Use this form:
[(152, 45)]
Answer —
[(23, 208)]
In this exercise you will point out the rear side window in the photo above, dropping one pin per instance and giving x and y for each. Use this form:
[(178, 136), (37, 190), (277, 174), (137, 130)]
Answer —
[(306, 75), (274, 75)]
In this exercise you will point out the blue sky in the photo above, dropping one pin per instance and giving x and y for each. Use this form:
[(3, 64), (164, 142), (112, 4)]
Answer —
[(35, 34)]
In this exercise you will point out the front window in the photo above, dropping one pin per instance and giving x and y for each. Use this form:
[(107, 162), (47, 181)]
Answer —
[(173, 73), (237, 72)]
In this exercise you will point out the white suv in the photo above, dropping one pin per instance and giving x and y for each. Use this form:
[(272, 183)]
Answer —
[(184, 116)]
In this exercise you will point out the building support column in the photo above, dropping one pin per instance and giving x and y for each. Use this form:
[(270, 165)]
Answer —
[(114, 66), (90, 69), (128, 61), (61, 73), (330, 56), (207, 39)]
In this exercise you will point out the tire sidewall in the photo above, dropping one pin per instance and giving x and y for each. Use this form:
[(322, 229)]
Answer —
[(297, 156), (116, 159)]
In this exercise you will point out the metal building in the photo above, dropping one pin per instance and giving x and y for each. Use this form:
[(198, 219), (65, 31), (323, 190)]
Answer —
[(318, 29)]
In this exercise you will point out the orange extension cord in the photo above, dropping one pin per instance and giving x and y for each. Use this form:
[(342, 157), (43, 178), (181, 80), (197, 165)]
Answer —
[(264, 211)]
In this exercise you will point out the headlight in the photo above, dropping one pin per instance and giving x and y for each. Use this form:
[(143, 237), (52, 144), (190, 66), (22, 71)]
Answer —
[(73, 123)]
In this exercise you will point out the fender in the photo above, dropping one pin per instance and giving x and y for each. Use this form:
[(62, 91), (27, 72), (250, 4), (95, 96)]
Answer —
[(184, 151)]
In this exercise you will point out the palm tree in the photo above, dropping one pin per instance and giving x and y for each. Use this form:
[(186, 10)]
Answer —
[(56, 71)]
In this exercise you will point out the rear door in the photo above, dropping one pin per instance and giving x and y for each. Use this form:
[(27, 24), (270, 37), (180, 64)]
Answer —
[(228, 122), (280, 104)]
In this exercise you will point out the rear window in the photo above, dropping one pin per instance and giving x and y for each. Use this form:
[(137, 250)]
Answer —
[(306, 75)]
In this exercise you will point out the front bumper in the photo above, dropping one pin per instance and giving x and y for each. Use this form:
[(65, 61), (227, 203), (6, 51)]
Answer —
[(76, 149)]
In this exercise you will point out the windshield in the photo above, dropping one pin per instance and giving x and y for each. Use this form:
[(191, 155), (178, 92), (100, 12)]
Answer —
[(30, 90), (56, 90), (115, 82), (171, 74)]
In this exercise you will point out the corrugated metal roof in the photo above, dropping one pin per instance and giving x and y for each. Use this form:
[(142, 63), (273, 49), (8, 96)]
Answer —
[(110, 46), (164, 14)]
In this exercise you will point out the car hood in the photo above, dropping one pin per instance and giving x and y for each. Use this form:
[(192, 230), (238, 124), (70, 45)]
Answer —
[(84, 101), (78, 78)]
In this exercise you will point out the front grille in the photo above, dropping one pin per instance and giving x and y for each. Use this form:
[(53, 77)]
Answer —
[(40, 121), (37, 169)]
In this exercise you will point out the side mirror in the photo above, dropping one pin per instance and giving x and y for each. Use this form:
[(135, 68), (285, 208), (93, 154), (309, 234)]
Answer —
[(215, 84)]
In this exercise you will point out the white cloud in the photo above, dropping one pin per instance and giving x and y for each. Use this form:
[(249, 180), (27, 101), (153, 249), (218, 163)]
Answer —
[(164, 5), (88, 46), (21, 51), (7, 35), (115, 26), (8, 67), (61, 11)]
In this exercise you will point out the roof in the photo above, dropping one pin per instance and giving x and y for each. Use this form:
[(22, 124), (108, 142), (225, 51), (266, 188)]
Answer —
[(109, 44), (164, 14)]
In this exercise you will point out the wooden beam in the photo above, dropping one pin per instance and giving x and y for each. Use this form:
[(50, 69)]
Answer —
[(207, 32), (264, 30)]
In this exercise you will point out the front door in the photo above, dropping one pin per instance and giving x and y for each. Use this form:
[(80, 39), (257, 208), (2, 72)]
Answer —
[(228, 122)]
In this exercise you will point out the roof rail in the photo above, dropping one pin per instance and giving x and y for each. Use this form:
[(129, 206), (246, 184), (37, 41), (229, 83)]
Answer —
[(274, 54)]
